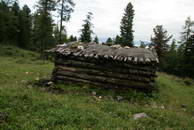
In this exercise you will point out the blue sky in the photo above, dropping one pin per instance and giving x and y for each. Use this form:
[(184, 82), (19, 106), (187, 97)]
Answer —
[(148, 13)]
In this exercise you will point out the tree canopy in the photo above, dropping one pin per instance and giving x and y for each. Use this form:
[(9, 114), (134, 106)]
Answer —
[(86, 31), (160, 40)]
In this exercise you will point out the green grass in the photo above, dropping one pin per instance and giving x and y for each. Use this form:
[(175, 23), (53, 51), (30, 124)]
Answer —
[(33, 107)]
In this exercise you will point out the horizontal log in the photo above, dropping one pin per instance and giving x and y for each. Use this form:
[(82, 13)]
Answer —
[(104, 85), (71, 63), (100, 79), (118, 74), (115, 64), (105, 74)]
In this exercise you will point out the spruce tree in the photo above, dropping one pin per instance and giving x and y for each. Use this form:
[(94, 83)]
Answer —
[(75, 38), (171, 59), (25, 35), (189, 57), (127, 26), (72, 38), (44, 27), (118, 40), (184, 47), (13, 29), (142, 44), (15, 24), (9, 21), (86, 31), (109, 40), (96, 40), (4, 18), (187, 30), (160, 40), (36, 31), (57, 35)]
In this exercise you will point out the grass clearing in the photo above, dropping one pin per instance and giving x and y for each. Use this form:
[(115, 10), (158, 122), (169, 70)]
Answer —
[(30, 107)]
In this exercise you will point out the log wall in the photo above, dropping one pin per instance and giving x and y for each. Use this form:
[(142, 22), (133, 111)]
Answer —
[(104, 72)]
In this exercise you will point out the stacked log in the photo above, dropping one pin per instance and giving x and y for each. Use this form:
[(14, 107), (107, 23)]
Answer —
[(105, 66)]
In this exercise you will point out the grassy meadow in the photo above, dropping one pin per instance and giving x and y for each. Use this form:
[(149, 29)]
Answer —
[(26, 106)]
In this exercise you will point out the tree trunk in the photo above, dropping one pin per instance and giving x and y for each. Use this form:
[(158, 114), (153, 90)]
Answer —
[(61, 22)]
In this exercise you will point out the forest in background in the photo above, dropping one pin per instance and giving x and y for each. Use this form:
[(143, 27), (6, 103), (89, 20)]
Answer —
[(38, 32)]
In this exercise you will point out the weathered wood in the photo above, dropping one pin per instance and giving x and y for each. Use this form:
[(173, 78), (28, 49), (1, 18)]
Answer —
[(102, 77), (104, 67), (116, 59), (105, 85), (106, 64), (106, 74)]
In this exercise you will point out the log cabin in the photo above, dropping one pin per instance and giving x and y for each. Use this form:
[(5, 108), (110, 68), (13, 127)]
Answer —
[(105, 66)]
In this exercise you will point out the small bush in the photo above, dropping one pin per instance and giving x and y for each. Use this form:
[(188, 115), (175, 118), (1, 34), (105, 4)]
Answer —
[(188, 81)]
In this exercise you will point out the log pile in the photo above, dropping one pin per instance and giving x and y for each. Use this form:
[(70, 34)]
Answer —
[(105, 66)]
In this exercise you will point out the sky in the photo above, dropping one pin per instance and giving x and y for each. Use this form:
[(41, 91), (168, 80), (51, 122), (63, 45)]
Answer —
[(107, 15)]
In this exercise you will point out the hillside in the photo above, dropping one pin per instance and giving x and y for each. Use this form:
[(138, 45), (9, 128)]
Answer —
[(24, 105)]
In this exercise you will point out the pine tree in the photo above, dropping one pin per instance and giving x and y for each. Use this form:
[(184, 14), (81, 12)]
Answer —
[(71, 38), (160, 40), (86, 31), (4, 10), (183, 49), (186, 38), (96, 40), (171, 59), (35, 32), (187, 30), (109, 40), (118, 40), (62, 35), (142, 44), (189, 57), (46, 6), (127, 26), (173, 47), (57, 35), (13, 27), (44, 27), (65, 8), (75, 38), (179, 68), (25, 35), (9, 21)]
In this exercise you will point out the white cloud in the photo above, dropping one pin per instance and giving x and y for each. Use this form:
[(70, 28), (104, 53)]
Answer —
[(148, 14), (30, 3)]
